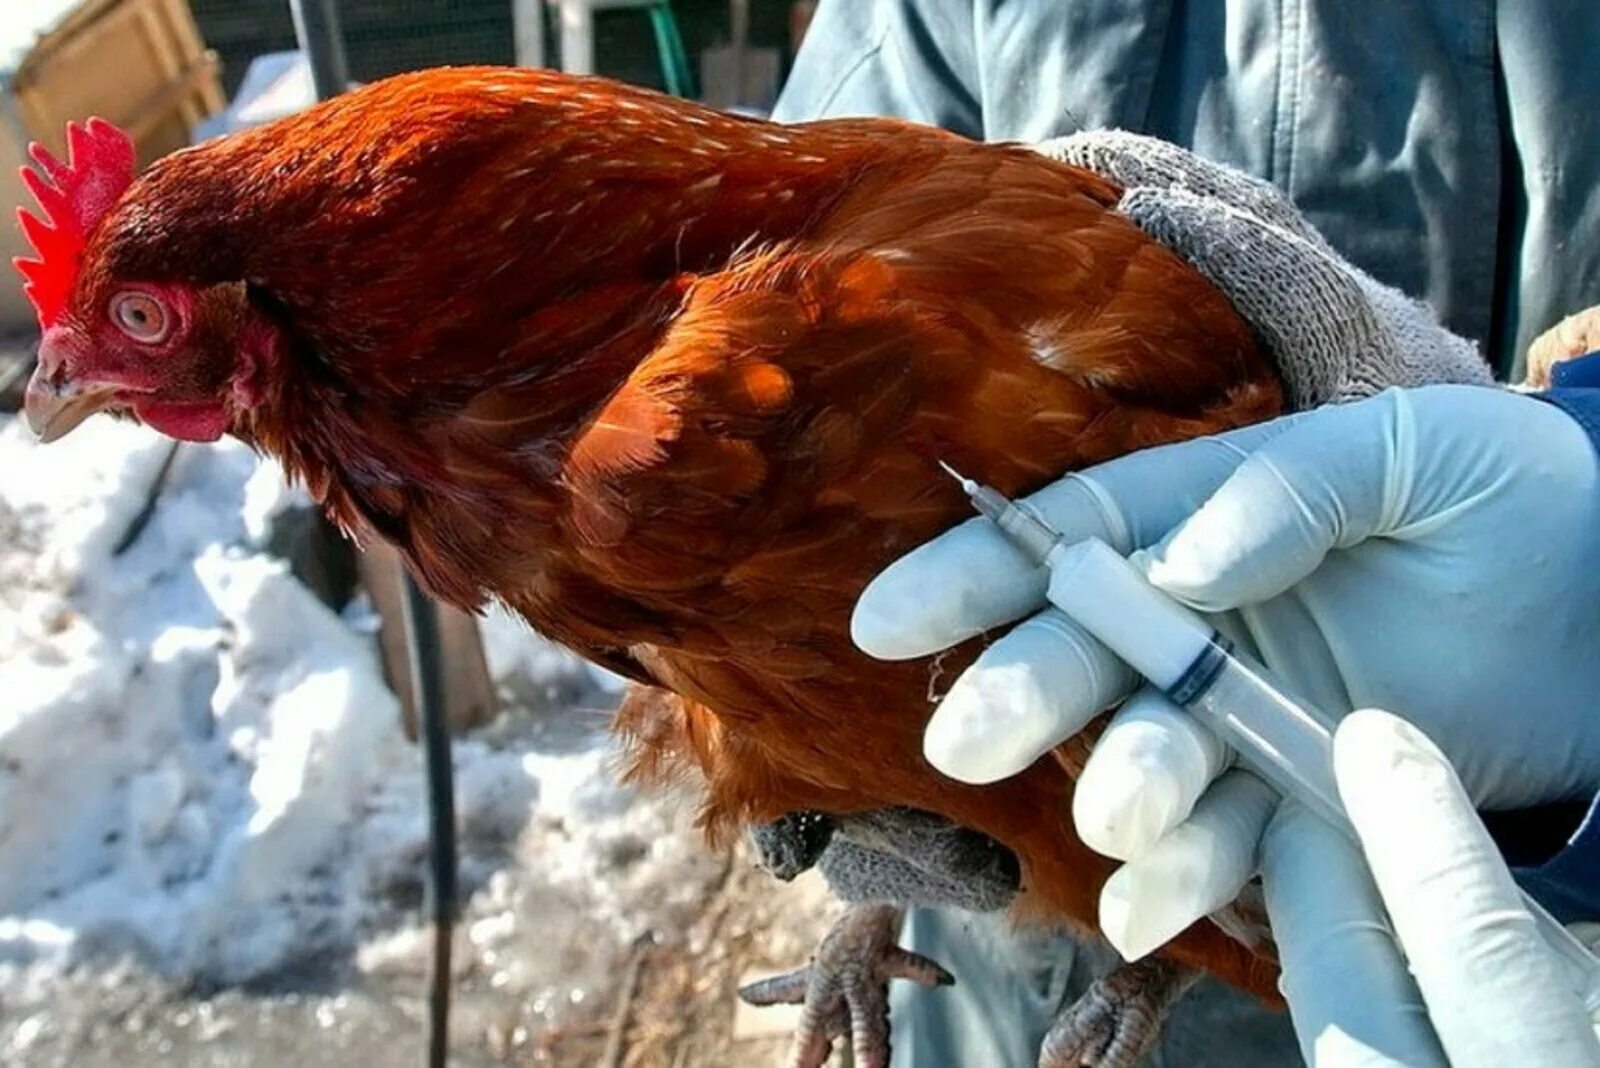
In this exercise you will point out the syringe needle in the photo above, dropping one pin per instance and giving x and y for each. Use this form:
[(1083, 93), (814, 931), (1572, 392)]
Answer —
[(1025, 529), (968, 486)]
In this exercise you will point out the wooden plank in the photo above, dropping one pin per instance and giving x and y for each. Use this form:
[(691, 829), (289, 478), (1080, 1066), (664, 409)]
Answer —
[(469, 693), (130, 53), (139, 63), (152, 112), (181, 20), (158, 37), (183, 56)]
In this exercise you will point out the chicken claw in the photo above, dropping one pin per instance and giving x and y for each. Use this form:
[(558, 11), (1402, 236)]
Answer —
[(845, 988), (1118, 1018)]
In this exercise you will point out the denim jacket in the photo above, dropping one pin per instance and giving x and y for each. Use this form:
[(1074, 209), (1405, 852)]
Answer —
[(1450, 147)]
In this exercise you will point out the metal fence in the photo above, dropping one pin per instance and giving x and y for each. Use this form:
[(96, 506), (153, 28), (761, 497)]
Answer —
[(383, 37)]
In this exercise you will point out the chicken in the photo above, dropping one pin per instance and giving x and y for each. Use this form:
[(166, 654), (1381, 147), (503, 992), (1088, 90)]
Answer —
[(672, 384)]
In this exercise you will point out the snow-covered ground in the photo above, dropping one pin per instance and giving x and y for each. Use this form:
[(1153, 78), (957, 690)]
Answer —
[(206, 800)]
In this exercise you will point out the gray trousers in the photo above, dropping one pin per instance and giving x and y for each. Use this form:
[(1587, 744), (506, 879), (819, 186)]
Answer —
[(1010, 985)]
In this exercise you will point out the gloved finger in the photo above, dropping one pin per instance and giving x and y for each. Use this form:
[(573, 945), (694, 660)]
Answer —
[(1496, 993), (971, 580), (1146, 772), (1326, 482), (1351, 998), (1195, 869), (1136, 160), (1028, 692), (1296, 293)]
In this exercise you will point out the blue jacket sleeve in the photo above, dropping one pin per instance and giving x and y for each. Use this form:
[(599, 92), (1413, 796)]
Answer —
[(1568, 883), (1581, 401)]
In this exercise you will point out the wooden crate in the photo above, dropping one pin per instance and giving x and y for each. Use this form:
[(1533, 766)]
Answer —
[(139, 63)]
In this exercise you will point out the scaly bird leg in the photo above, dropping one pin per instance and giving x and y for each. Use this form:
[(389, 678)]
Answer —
[(891, 854), (845, 988), (1118, 1018), (869, 858), (793, 843)]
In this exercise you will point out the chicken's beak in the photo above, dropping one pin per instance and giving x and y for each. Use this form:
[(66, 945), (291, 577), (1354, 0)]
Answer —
[(54, 403)]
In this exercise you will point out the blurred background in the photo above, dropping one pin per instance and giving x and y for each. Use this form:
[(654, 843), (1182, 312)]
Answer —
[(213, 824)]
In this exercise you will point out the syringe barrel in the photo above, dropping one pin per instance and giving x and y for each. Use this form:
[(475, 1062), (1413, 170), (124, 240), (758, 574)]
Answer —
[(1279, 735), (1158, 637), (1286, 740)]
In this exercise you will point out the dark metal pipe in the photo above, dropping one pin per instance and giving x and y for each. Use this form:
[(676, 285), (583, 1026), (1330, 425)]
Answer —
[(316, 28), (427, 692)]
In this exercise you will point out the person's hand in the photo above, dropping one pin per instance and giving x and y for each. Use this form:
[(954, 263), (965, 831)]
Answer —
[(1430, 550), (1333, 331), (1575, 335), (1476, 985)]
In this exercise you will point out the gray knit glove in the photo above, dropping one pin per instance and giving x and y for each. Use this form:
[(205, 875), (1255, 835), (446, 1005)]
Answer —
[(1334, 332)]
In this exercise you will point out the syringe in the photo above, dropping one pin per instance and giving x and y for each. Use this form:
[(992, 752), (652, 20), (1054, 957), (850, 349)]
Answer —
[(1280, 736)]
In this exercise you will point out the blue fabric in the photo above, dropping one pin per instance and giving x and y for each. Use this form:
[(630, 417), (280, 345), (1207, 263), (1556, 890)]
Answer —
[(1577, 392), (1450, 147), (1011, 981), (1568, 884), (1581, 372)]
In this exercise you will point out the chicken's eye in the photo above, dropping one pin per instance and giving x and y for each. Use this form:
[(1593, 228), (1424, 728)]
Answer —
[(140, 316)]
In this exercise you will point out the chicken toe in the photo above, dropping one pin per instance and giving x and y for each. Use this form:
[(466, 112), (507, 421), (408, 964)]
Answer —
[(1118, 1018), (845, 988)]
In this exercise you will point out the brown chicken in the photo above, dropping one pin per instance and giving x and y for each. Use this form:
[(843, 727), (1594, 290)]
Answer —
[(670, 383)]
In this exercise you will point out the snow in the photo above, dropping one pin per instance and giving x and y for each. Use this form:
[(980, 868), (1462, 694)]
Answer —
[(201, 767), (25, 22)]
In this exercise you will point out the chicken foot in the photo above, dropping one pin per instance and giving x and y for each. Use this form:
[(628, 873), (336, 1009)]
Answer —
[(913, 857), (1117, 1019), (845, 988), (871, 859)]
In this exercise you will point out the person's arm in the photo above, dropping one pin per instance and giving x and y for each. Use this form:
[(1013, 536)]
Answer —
[(1431, 551), (1582, 404)]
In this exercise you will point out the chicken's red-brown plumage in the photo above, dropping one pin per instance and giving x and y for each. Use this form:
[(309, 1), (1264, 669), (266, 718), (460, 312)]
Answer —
[(673, 385)]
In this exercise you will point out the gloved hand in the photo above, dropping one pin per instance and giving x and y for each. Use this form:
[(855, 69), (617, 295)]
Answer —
[(1430, 550), (1491, 992), (1333, 331)]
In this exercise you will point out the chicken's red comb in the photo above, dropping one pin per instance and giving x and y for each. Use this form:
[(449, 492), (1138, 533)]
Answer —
[(73, 197)]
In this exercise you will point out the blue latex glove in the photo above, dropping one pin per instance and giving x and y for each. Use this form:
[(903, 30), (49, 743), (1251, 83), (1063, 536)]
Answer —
[(1432, 551), (1492, 993)]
